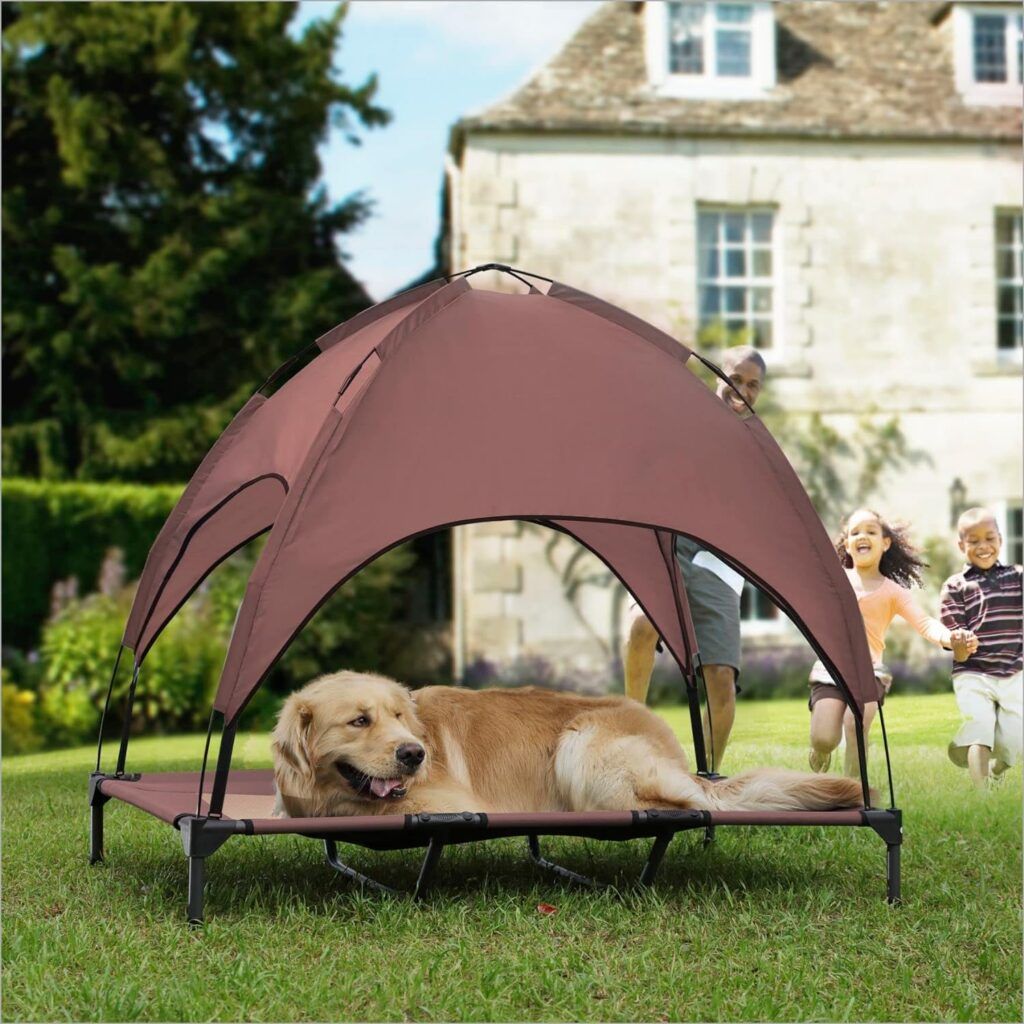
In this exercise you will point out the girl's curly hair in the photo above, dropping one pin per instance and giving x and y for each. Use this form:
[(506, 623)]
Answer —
[(902, 563)]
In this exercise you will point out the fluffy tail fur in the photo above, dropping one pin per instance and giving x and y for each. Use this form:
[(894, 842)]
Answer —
[(774, 790)]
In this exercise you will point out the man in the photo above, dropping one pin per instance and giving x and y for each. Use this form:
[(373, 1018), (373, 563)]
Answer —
[(714, 602)]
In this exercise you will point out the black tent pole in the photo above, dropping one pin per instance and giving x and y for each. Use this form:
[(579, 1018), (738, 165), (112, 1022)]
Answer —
[(127, 724), (696, 724), (220, 778), (106, 707), (862, 757)]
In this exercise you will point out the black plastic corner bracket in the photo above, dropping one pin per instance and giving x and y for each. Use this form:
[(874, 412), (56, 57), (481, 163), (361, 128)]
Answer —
[(887, 823), (97, 798), (202, 836)]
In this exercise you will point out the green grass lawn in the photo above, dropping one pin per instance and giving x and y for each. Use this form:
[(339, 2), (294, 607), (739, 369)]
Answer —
[(766, 924)]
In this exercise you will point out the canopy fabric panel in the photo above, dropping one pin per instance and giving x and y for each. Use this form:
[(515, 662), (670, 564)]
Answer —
[(481, 405), (238, 489), (644, 560)]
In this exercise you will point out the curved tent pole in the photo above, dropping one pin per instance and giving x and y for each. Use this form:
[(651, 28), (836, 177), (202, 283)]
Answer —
[(106, 706), (666, 544), (722, 375), (505, 269)]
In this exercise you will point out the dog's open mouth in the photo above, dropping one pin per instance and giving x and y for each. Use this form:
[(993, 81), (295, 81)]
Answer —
[(369, 785)]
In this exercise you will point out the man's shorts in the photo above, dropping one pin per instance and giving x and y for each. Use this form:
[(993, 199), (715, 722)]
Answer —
[(715, 608), (991, 706)]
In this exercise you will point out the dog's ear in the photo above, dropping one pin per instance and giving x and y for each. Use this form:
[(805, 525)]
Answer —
[(293, 739)]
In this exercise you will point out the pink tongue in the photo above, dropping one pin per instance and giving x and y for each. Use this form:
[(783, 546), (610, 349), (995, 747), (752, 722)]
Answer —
[(382, 787)]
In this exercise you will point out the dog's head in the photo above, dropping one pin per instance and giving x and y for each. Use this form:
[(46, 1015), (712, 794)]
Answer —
[(346, 738)]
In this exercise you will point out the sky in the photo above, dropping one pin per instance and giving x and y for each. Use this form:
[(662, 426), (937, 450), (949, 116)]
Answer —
[(436, 60)]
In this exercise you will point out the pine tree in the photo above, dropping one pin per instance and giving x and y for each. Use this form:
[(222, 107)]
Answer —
[(167, 242)]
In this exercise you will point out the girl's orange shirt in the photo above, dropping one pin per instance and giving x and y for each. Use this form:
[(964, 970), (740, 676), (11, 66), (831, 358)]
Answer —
[(878, 607)]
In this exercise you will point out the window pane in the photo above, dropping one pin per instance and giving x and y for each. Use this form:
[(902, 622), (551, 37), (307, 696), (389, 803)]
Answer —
[(707, 228), (1014, 540), (1010, 331), (1005, 263), (761, 226), (685, 35), (735, 263), (735, 300), (1004, 228), (733, 52), (737, 14), (710, 301), (762, 334), (989, 48), (1020, 49), (708, 263), (762, 300), (756, 606), (1009, 300), (762, 262), (734, 227)]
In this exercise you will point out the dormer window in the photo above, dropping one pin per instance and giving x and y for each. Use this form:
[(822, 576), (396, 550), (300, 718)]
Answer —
[(710, 49), (988, 44)]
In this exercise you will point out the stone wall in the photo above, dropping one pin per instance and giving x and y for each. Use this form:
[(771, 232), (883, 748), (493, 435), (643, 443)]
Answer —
[(886, 294)]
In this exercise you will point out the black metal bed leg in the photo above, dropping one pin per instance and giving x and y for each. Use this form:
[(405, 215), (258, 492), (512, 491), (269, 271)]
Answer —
[(892, 874), (96, 802), (889, 825), (709, 835), (96, 833), (201, 836), (434, 850), (654, 859), (196, 889), (556, 869), (331, 851)]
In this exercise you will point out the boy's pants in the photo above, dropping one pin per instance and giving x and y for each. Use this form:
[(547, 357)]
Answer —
[(991, 706)]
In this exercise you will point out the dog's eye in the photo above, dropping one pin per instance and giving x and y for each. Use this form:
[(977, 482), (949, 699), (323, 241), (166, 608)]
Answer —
[(398, 714), (360, 722)]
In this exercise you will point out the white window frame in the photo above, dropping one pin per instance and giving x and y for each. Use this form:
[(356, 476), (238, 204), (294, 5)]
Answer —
[(1013, 354), (1002, 510), (772, 352), (710, 85), (1008, 93)]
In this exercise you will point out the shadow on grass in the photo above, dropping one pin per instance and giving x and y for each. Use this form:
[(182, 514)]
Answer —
[(283, 875)]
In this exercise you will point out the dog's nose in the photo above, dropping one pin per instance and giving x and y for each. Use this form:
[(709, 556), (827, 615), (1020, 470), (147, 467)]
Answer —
[(410, 754)]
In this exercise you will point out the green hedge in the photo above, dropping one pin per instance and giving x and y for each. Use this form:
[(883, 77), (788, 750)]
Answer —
[(52, 531)]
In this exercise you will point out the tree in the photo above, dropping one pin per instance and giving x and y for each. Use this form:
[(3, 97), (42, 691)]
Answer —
[(167, 242)]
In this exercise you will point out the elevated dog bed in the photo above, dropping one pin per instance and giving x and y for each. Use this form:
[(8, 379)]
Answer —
[(448, 405)]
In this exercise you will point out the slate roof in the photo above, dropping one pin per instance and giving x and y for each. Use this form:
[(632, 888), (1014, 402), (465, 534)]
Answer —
[(845, 69)]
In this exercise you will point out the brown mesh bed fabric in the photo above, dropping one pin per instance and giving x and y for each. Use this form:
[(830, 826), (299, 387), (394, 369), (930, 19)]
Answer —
[(449, 404), (250, 800)]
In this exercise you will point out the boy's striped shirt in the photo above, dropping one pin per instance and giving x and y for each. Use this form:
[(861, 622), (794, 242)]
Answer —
[(989, 604)]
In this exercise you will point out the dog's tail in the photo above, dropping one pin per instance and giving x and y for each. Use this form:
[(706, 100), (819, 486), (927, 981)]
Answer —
[(776, 790)]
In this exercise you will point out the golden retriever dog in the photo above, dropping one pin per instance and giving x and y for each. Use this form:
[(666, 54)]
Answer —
[(352, 743)]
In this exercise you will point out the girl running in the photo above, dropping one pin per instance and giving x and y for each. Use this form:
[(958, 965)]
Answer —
[(881, 565)]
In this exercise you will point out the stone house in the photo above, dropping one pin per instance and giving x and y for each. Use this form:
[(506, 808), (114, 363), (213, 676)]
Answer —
[(837, 182)]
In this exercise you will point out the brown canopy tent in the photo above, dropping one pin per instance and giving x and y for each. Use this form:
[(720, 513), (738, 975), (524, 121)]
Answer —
[(447, 405)]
